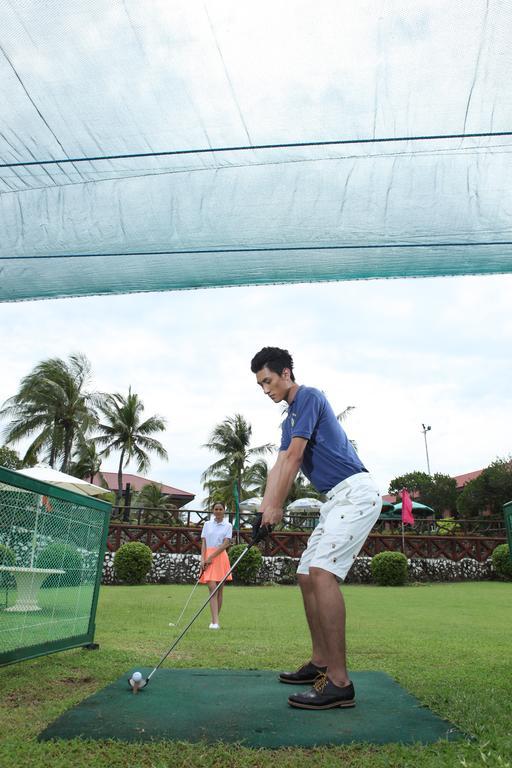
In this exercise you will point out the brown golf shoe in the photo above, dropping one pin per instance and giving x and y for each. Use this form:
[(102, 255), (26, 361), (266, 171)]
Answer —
[(307, 674), (324, 695)]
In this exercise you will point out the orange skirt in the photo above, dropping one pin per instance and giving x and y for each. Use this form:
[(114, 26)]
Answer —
[(217, 569)]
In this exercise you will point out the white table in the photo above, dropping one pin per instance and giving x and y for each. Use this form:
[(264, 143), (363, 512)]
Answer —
[(28, 583)]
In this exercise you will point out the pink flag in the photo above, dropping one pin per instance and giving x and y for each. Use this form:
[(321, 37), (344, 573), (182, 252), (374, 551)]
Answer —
[(407, 516)]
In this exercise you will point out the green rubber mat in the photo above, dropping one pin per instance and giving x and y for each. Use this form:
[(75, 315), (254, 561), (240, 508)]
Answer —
[(249, 707)]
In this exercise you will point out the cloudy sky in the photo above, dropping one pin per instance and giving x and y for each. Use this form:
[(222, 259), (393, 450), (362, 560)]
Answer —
[(403, 352)]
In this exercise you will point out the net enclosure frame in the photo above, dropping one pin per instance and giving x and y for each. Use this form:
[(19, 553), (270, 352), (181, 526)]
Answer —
[(45, 609), (507, 514)]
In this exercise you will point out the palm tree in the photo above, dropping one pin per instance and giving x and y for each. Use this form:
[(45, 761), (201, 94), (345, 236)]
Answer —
[(220, 487), (52, 404), (301, 489), (230, 439), (158, 507), (123, 430), (87, 463), (255, 479), (342, 416)]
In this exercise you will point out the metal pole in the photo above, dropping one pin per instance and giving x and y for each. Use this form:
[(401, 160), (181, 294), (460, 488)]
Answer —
[(425, 430)]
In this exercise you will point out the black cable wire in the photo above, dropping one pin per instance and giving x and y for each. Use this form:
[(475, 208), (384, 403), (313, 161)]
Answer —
[(245, 148), (266, 249)]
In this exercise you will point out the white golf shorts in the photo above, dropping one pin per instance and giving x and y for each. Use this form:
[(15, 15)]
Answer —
[(347, 517)]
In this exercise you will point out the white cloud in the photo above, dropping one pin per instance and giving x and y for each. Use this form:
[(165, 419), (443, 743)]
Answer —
[(403, 352)]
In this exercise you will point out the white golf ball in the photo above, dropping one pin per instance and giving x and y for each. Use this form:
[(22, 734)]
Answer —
[(137, 677)]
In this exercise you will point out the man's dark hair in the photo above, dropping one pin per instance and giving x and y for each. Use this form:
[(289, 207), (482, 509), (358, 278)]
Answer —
[(273, 358)]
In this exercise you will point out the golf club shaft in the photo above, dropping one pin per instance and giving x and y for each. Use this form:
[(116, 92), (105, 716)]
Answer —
[(188, 601), (219, 585)]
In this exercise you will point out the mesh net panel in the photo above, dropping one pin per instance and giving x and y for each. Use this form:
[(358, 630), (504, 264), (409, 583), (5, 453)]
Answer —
[(51, 553), (182, 145), (507, 512)]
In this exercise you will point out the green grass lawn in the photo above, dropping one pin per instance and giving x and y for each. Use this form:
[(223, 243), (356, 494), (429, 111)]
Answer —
[(65, 611), (447, 644)]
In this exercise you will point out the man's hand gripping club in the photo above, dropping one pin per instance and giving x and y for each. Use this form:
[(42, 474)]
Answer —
[(259, 531)]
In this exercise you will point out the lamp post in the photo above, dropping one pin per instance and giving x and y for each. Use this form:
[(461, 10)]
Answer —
[(425, 430)]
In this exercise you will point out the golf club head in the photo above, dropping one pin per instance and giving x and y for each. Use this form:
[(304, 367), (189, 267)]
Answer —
[(137, 685)]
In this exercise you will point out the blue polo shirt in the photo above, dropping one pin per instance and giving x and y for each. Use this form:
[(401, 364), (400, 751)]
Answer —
[(329, 457)]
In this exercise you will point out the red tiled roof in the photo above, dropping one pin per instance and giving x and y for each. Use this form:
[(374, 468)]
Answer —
[(137, 483), (463, 479)]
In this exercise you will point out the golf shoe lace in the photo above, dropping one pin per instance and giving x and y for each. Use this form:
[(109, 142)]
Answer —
[(320, 682)]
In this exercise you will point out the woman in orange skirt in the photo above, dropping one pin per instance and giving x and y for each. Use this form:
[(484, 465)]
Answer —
[(216, 538)]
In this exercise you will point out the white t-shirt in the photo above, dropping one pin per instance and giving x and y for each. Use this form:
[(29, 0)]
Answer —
[(215, 532)]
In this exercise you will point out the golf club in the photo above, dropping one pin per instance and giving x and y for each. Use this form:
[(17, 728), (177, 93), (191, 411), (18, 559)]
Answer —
[(175, 623), (259, 532)]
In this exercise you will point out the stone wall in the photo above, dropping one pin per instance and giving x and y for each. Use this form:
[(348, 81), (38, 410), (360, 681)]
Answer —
[(184, 569), (166, 569)]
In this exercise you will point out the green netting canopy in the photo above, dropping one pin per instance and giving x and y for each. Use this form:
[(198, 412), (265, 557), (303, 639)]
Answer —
[(157, 146)]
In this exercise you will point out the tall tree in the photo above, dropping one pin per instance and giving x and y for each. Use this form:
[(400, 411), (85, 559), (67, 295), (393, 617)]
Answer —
[(416, 482), (341, 418), (438, 491), (9, 458), (53, 404), (255, 479), (158, 507), (487, 492), (220, 487), (343, 415), (230, 440), (303, 489), (87, 461), (123, 430)]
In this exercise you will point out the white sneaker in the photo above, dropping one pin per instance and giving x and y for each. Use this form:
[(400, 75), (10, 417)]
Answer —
[(214, 626)]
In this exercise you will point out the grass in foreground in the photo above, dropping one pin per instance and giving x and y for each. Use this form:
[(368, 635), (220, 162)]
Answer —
[(448, 644)]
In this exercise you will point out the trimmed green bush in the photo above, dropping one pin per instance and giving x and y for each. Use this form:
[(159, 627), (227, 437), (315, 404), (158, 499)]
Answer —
[(389, 569), (64, 556), (132, 562), (448, 526), (247, 569), (7, 557), (502, 561)]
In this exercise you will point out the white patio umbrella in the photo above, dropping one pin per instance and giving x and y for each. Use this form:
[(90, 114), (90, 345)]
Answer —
[(304, 504), (62, 480), (251, 505)]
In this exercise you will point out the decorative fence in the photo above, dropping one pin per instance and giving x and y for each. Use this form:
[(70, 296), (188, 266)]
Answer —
[(306, 521), (187, 540), (179, 540), (456, 548)]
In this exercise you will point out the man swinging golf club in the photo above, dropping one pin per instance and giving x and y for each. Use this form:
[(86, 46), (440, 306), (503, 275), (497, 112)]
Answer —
[(313, 441)]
